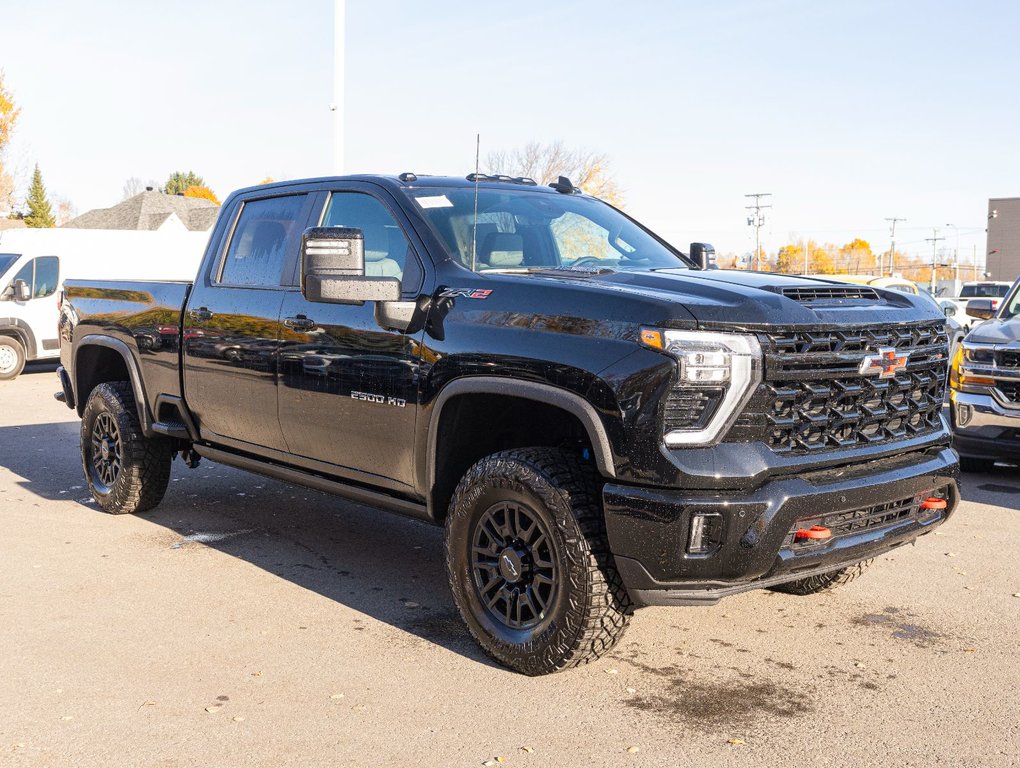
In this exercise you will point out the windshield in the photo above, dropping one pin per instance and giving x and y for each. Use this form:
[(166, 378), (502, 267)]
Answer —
[(1011, 307), (6, 259), (521, 230), (986, 291)]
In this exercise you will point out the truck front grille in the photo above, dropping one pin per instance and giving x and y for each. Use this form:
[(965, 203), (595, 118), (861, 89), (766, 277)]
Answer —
[(1008, 358), (815, 397), (1009, 389)]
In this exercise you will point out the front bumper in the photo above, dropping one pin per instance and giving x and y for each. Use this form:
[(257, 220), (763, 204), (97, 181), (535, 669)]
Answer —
[(877, 502), (984, 428)]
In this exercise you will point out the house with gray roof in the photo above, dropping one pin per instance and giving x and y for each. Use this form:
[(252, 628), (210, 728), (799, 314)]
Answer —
[(151, 210)]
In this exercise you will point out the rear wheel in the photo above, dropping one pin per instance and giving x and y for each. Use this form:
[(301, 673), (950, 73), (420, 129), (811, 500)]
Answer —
[(823, 582), (971, 464), (126, 471), (12, 358), (529, 564)]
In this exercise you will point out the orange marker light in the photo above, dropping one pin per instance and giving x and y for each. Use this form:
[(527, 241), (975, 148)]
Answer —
[(934, 503), (652, 338)]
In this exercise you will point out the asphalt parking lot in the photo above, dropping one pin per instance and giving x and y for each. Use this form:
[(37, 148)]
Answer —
[(246, 622)]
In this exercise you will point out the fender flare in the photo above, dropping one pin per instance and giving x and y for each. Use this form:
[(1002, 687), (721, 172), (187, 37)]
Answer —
[(564, 399), (93, 340), (22, 331)]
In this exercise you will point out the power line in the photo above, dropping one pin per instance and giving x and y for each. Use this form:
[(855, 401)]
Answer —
[(757, 221)]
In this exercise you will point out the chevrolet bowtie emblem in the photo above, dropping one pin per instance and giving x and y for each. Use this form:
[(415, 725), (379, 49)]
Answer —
[(886, 363)]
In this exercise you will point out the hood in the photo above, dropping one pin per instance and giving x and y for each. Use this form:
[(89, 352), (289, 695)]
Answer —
[(996, 332), (734, 299)]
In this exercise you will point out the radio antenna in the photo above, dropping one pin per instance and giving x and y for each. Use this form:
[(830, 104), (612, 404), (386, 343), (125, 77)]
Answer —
[(474, 226)]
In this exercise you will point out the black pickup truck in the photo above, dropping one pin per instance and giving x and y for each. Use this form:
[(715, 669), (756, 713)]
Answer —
[(600, 421)]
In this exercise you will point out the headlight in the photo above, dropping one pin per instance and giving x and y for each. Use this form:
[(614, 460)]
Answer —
[(717, 371), (969, 362)]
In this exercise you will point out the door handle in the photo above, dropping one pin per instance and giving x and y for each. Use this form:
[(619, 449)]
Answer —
[(299, 323), (200, 314)]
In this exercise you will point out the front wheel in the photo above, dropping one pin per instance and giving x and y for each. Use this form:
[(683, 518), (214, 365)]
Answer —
[(12, 358), (529, 564), (126, 471)]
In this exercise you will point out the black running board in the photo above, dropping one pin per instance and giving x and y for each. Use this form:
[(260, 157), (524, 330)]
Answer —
[(317, 482)]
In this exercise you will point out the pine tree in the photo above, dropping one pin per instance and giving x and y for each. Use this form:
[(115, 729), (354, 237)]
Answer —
[(179, 181), (40, 214)]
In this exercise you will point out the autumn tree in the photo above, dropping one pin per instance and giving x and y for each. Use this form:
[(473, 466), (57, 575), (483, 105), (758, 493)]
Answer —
[(40, 213), (790, 259), (545, 163), (856, 257), (9, 112), (179, 181), (65, 211), (267, 180), (203, 192)]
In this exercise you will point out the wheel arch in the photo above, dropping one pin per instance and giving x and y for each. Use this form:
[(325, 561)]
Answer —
[(100, 359), (559, 408), (16, 329)]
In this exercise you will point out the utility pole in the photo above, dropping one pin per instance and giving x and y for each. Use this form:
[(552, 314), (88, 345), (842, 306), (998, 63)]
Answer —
[(337, 107), (757, 221), (934, 239), (956, 255), (892, 247)]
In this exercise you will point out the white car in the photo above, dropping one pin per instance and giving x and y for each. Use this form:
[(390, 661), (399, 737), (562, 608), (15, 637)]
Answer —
[(980, 289)]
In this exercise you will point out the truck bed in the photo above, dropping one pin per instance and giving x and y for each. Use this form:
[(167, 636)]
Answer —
[(144, 316)]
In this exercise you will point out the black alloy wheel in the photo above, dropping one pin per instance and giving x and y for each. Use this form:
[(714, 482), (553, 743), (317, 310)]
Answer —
[(514, 565), (104, 459)]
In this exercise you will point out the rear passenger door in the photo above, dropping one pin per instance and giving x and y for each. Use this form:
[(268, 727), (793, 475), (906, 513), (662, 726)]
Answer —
[(232, 325), (348, 387)]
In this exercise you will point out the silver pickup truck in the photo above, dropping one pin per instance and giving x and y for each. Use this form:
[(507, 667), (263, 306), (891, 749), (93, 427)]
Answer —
[(985, 381)]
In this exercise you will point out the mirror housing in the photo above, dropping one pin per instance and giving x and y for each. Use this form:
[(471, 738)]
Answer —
[(949, 310), (982, 309), (333, 268), (22, 290), (703, 255)]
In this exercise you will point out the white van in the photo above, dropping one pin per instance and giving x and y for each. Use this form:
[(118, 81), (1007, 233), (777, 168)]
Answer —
[(35, 262)]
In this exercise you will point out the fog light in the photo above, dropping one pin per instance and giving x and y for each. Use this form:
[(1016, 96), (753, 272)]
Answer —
[(963, 415), (706, 533)]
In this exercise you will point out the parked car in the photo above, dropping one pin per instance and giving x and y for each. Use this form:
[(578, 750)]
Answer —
[(599, 421), (35, 262), (979, 289), (985, 380)]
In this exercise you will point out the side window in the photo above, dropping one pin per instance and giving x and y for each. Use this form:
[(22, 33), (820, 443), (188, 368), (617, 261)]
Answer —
[(47, 270), (27, 273), (386, 247), (265, 232)]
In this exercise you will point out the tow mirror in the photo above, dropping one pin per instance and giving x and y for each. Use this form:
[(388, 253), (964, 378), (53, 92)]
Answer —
[(982, 309), (703, 255), (22, 290), (949, 310), (333, 268)]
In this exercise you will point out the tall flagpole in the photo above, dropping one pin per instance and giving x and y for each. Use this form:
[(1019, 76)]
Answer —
[(339, 14)]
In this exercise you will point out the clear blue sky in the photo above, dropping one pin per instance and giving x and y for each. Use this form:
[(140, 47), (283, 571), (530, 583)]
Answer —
[(846, 112)]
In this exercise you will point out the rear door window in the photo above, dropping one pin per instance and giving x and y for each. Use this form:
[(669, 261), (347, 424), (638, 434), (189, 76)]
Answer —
[(267, 231)]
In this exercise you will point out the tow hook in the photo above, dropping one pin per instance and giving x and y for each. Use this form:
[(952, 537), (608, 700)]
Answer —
[(814, 532), (189, 457)]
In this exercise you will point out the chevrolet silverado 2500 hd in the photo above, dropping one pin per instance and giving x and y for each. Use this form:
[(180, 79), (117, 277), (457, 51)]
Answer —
[(599, 422)]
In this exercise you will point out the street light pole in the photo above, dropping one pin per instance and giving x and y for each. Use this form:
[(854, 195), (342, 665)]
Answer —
[(339, 19)]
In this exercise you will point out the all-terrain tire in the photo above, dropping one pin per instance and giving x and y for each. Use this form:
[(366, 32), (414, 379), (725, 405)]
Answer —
[(131, 473), (12, 358), (971, 464), (823, 582), (571, 606)]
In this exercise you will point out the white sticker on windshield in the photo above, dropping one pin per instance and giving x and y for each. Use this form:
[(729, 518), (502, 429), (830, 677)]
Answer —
[(434, 201)]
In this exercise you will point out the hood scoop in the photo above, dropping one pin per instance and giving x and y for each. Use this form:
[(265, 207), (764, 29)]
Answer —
[(830, 294)]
